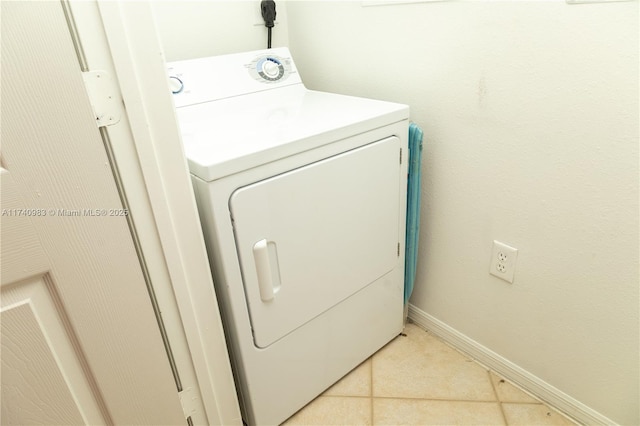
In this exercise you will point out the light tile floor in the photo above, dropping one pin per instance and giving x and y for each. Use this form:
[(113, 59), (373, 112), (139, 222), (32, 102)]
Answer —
[(419, 380)]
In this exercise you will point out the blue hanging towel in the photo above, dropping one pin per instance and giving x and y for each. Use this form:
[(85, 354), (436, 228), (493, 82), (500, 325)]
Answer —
[(413, 209)]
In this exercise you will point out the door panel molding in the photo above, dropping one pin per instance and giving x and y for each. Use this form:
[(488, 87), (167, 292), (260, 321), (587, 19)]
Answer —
[(38, 341)]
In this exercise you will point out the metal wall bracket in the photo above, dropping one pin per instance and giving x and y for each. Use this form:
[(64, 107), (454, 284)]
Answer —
[(103, 97)]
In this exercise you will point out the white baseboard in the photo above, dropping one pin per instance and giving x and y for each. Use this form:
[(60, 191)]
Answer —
[(510, 371)]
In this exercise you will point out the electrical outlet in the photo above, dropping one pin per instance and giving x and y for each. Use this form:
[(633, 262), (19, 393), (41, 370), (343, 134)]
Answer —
[(503, 261)]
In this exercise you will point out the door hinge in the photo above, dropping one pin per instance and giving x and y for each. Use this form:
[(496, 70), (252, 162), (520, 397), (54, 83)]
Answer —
[(400, 155), (398, 249), (103, 96), (189, 402)]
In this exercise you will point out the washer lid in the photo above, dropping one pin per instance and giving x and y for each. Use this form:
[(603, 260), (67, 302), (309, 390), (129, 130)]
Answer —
[(234, 134)]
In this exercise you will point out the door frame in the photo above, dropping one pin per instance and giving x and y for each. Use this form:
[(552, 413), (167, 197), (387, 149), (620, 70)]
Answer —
[(155, 176)]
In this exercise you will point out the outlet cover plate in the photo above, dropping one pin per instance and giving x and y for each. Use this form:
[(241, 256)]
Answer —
[(503, 261)]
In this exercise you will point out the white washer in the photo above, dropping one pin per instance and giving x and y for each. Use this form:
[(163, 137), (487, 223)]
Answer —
[(302, 200)]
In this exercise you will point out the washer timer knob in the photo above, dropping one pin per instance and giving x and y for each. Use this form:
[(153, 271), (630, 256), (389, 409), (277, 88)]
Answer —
[(271, 68), (175, 84)]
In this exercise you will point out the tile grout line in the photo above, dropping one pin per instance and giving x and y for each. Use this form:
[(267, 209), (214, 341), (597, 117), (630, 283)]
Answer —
[(479, 401), (495, 391), (409, 398), (371, 387)]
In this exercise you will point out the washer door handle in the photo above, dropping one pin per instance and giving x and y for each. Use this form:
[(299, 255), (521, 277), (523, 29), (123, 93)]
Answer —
[(265, 255)]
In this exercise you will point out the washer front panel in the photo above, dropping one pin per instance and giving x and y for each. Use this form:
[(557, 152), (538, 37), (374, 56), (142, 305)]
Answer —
[(312, 237)]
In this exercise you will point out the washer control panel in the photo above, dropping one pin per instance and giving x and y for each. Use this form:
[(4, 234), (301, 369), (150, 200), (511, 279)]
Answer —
[(201, 80)]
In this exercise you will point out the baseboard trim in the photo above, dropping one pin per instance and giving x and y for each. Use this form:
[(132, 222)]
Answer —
[(510, 371)]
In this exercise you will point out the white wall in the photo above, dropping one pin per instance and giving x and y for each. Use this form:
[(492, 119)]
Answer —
[(530, 114), (194, 29)]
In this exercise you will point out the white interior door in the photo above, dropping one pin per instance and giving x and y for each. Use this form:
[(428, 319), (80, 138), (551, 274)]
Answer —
[(80, 341), (309, 238)]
